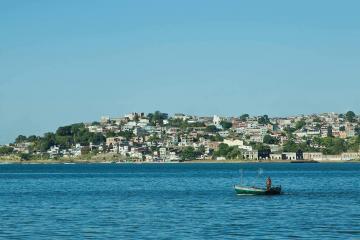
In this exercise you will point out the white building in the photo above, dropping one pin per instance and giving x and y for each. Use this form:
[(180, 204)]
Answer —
[(317, 156), (54, 151), (163, 152), (216, 120), (274, 156), (235, 142)]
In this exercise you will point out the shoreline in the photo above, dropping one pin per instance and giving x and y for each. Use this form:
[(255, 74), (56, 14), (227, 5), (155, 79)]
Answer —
[(78, 161)]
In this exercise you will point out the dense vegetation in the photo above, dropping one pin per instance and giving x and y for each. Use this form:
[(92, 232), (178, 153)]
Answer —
[(229, 152), (264, 119), (157, 118), (226, 125), (328, 145), (189, 153), (64, 137), (270, 140), (5, 150)]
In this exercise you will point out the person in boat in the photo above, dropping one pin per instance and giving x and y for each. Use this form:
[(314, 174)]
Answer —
[(268, 183)]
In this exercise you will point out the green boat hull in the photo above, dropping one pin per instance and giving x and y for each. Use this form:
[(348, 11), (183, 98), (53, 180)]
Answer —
[(257, 191)]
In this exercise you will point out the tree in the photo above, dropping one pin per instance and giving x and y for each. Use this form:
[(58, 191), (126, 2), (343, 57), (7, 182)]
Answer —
[(318, 126), (357, 130), (229, 152), (46, 142), (5, 150), (244, 117), (25, 156), (329, 131), (97, 138), (350, 116), (33, 138), (212, 129), (177, 122), (126, 134), (289, 130), (234, 153), (223, 150), (264, 120), (216, 138), (64, 131), (290, 146), (64, 137), (154, 138), (77, 127), (195, 124), (317, 119), (354, 144), (157, 117), (110, 134), (189, 153), (333, 145), (226, 125), (342, 128), (201, 149), (63, 141), (20, 139), (270, 140), (260, 147), (300, 124)]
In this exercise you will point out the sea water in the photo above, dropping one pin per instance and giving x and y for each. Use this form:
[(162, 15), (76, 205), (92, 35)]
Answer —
[(178, 201)]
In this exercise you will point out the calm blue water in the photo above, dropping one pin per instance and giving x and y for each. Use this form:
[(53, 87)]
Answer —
[(178, 201)]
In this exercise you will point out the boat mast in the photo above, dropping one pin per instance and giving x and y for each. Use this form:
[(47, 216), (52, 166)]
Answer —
[(241, 177)]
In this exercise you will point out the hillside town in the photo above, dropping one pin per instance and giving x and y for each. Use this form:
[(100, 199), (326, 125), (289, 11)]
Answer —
[(158, 137)]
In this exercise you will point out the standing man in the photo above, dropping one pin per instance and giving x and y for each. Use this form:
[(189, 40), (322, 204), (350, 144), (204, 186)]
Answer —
[(268, 184)]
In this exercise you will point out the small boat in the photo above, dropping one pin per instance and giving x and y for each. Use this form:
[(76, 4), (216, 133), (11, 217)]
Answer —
[(257, 191)]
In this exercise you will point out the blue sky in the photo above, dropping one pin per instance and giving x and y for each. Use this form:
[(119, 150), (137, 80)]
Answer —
[(71, 61)]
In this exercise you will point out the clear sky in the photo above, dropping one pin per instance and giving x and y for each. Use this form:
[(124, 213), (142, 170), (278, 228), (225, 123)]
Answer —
[(68, 61)]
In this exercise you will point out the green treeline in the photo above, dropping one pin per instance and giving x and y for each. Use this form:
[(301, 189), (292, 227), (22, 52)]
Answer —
[(64, 137), (327, 145)]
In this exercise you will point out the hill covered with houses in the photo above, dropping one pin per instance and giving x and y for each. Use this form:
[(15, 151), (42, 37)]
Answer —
[(158, 137)]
